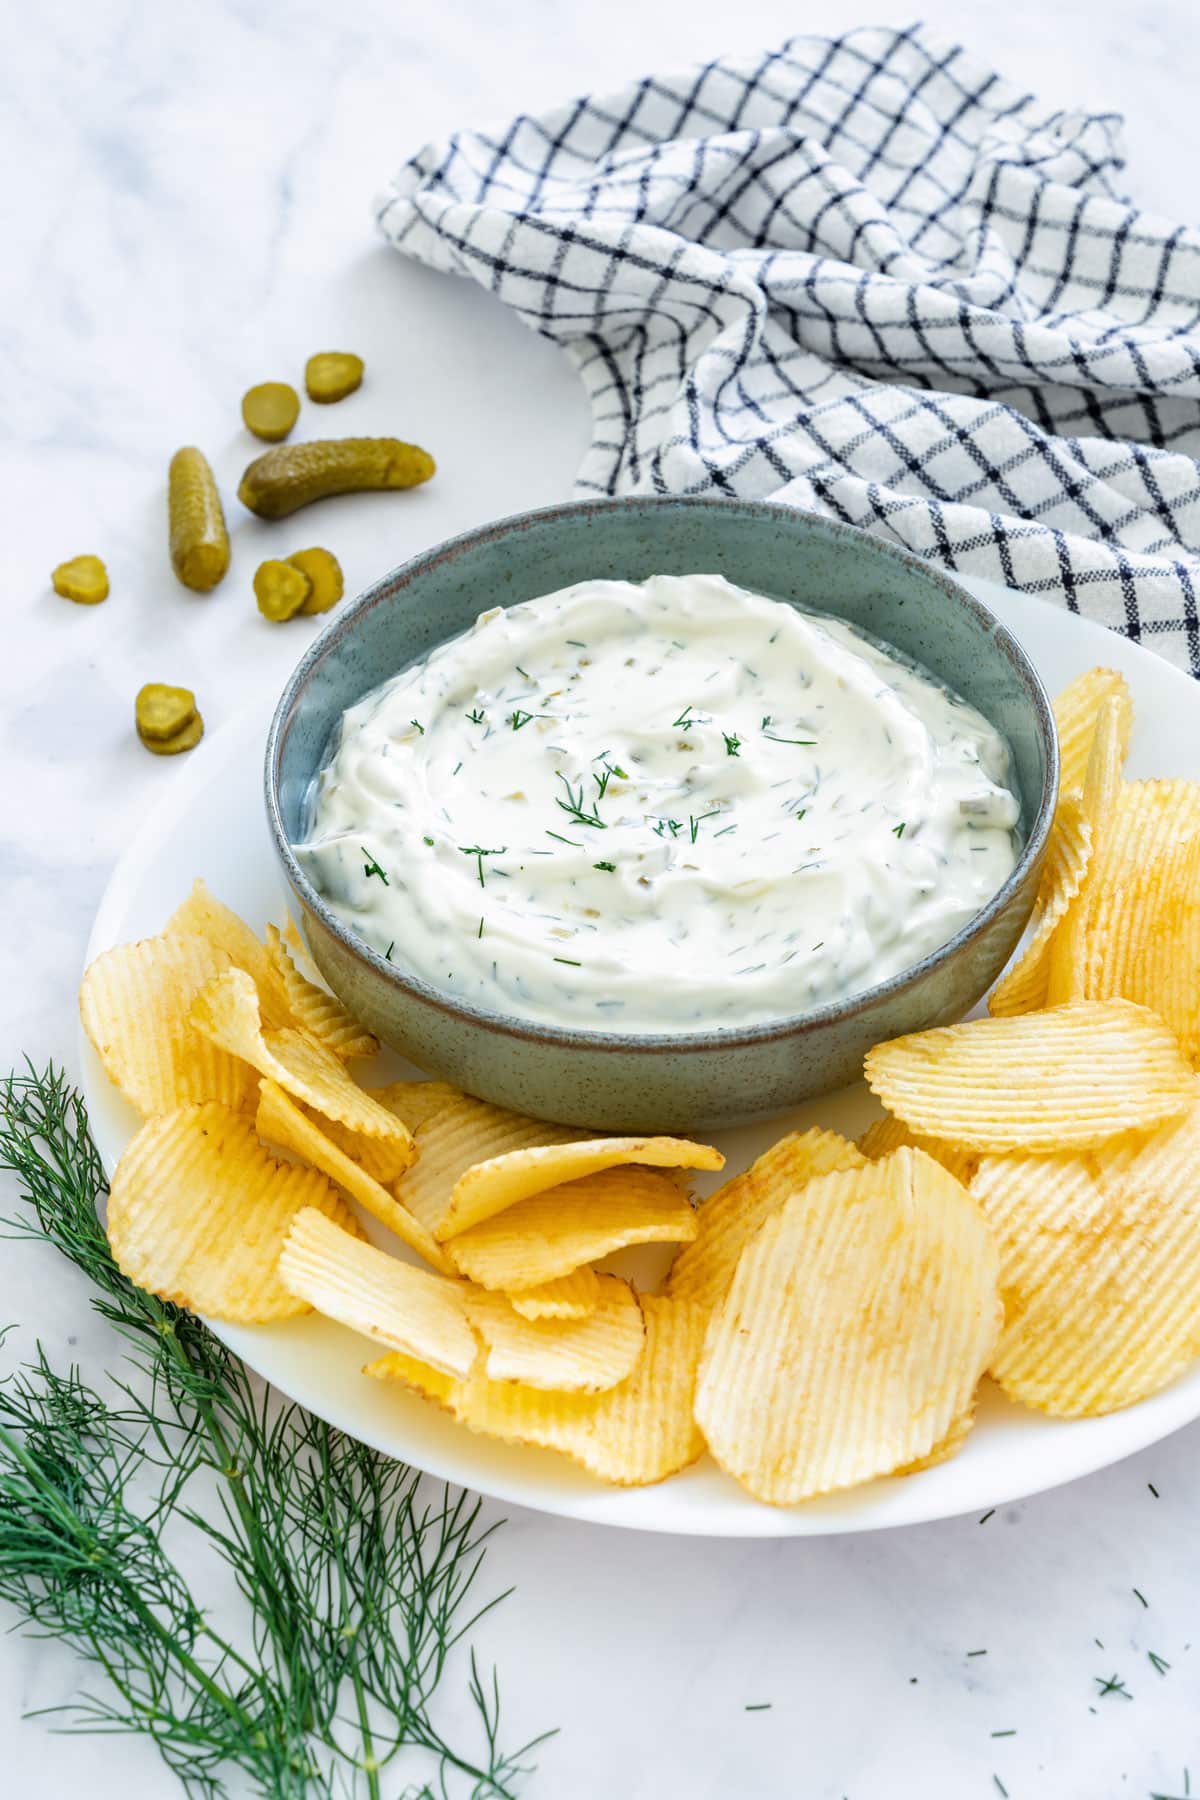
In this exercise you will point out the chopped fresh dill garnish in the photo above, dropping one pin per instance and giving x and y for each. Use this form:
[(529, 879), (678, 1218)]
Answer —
[(976, 1652), (609, 868), (759, 1706), (898, 830), (456, 768), (479, 933), (1114, 1685), (574, 808), (799, 815), (684, 722), (733, 743), (1153, 1489), (387, 955), (418, 725), (987, 1515), (808, 743), (1009, 1732), (724, 829), (517, 718), (674, 826), (1141, 1597), (477, 716), (696, 820), (429, 841), (1159, 1664), (601, 781), (819, 946), (524, 672), (478, 852), (619, 772), (766, 720), (1000, 1787), (575, 643), (563, 840), (570, 962), (371, 867)]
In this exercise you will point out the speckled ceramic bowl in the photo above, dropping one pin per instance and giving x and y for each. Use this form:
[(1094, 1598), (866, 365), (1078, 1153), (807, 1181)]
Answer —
[(682, 1080)]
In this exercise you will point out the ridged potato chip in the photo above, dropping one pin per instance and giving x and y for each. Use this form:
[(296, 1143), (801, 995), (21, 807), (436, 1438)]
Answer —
[(386, 1160), (455, 1137), (1099, 1267), (633, 1434), (1064, 1079), (134, 1003), (408, 1309), (416, 1102), (1024, 987), (548, 1235), (1075, 713), (570, 1355), (227, 1011), (314, 1009), (950, 1445), (1149, 951), (1066, 960), (728, 1219), (571, 1296), (210, 918), (198, 1211), (489, 1187), (280, 1121), (854, 1333), (888, 1134)]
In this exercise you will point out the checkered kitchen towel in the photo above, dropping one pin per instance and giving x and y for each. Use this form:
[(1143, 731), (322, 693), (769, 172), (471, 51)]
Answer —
[(869, 277)]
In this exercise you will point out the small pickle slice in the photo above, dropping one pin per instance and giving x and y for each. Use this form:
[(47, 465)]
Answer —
[(270, 410), (187, 739), (161, 711), (83, 579), (325, 573), (199, 540), (281, 481), (280, 589), (331, 375)]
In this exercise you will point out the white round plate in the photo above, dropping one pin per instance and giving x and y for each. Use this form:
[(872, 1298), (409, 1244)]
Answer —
[(212, 824)]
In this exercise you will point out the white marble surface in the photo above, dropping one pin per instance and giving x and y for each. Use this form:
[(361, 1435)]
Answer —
[(188, 211)]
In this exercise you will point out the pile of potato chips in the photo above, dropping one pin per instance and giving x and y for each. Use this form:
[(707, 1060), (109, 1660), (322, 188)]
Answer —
[(1028, 1207)]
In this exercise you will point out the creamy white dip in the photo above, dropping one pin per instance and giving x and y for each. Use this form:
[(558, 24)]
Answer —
[(661, 806)]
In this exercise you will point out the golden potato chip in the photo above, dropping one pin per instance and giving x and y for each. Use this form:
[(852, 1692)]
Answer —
[(950, 1445), (1023, 988), (280, 1121), (384, 1159), (1040, 1082), (548, 1235), (1066, 958), (631, 1435), (728, 1219), (1099, 1267), (488, 1187), (197, 1214), (571, 1296), (416, 1101), (134, 1003), (314, 1009), (1149, 950), (209, 918), (1075, 713), (888, 1134), (457, 1135), (227, 1011), (857, 1325), (570, 1355), (408, 1309)]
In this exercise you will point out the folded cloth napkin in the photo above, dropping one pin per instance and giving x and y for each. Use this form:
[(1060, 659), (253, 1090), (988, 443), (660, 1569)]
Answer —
[(867, 276)]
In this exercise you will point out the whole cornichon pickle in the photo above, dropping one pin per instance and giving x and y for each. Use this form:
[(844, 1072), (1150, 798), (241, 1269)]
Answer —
[(283, 480), (199, 540)]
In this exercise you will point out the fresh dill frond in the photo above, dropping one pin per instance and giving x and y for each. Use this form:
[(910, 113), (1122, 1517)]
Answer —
[(574, 806), (357, 1585), (371, 867), (478, 852)]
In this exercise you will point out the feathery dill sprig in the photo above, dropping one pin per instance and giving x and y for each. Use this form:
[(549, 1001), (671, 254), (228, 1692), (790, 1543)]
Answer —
[(358, 1587)]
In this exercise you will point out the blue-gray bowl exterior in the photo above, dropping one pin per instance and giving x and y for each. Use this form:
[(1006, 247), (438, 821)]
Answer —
[(699, 1080)]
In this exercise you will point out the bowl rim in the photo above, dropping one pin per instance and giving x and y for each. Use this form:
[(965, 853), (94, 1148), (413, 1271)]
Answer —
[(714, 1037)]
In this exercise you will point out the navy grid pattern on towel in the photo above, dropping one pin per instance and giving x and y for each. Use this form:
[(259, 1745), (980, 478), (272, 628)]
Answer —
[(867, 276)]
